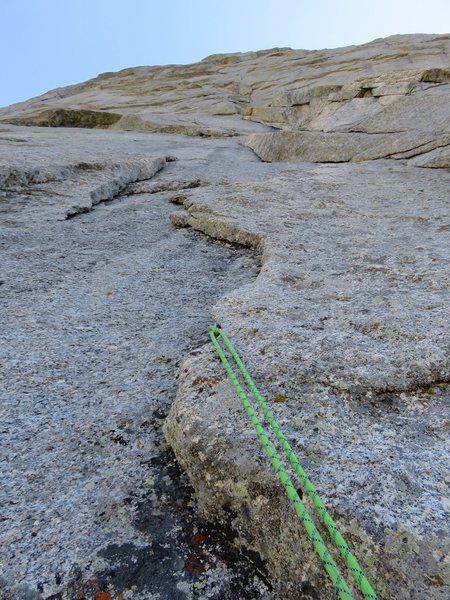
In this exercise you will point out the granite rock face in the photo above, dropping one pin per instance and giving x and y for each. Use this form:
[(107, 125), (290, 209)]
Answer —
[(347, 319), (95, 320), (389, 98)]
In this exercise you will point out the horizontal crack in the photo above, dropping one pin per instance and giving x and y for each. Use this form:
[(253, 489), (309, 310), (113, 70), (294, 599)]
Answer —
[(122, 176), (156, 187)]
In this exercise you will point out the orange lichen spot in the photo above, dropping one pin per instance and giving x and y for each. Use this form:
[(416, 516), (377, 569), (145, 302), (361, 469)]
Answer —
[(102, 596), (436, 580), (182, 506), (209, 380), (109, 294), (199, 538), (194, 565), (279, 398)]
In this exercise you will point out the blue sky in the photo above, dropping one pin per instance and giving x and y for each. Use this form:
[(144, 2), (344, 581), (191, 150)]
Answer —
[(51, 43)]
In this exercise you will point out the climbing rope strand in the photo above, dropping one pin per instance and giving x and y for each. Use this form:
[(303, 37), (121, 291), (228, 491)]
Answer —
[(319, 545), (339, 540), (341, 544)]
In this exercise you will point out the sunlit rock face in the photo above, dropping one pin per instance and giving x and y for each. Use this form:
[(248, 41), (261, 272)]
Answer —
[(389, 98)]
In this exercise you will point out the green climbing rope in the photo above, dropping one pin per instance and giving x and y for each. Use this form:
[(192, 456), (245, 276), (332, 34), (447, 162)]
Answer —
[(319, 545)]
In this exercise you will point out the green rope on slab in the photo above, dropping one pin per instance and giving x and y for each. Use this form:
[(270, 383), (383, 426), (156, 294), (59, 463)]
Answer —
[(330, 565)]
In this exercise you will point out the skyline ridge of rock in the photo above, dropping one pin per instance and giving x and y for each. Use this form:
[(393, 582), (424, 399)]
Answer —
[(397, 86)]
